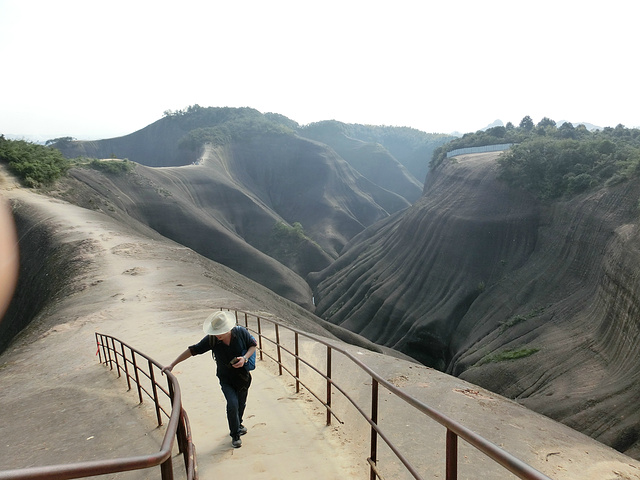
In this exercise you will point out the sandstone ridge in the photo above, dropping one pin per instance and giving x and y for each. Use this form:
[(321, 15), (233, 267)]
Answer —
[(476, 271)]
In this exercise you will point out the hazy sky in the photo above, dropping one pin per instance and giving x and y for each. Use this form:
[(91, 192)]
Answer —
[(98, 69)]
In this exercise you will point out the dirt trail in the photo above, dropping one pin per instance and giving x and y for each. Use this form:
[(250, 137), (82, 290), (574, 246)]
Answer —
[(153, 296)]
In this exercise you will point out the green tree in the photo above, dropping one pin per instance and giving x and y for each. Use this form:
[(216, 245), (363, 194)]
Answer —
[(567, 130), (59, 141), (498, 132), (552, 161), (546, 122), (526, 123), (571, 161)]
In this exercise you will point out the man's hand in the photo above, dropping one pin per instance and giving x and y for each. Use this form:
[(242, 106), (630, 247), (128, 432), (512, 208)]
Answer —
[(181, 358), (240, 361)]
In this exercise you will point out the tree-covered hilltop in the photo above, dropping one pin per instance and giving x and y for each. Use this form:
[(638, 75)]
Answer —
[(34, 165), (551, 161), (38, 166), (221, 126)]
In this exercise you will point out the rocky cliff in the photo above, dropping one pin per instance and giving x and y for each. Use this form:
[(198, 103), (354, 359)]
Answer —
[(229, 206), (535, 301), (395, 159)]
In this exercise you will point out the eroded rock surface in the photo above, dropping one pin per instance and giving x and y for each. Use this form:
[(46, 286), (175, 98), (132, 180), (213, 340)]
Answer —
[(475, 272)]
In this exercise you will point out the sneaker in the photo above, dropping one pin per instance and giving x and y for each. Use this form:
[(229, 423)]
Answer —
[(242, 430), (236, 442)]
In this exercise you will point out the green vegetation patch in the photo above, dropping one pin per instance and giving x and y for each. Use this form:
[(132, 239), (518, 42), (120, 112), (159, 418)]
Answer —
[(35, 165), (512, 354), (112, 167), (286, 240), (516, 319), (286, 243), (552, 168), (553, 162), (221, 126)]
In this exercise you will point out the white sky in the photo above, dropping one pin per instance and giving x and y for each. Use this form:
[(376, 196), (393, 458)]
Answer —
[(99, 69)]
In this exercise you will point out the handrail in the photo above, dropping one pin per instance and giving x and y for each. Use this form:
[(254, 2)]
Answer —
[(178, 426), (454, 429)]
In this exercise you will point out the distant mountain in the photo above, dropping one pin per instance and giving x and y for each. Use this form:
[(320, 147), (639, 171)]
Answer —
[(407, 146), (395, 158), (253, 173), (589, 126), (369, 158), (234, 185)]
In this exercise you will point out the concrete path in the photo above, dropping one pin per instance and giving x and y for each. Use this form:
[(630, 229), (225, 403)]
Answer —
[(285, 439)]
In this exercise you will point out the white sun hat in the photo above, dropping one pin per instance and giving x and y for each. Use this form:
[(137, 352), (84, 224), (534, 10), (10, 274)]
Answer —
[(219, 322)]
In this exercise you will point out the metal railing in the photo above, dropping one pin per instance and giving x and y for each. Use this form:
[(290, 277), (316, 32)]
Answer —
[(454, 430), (113, 352), (129, 361)]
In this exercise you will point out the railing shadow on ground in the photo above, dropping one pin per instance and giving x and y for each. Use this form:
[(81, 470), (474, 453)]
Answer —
[(271, 344), (130, 362)]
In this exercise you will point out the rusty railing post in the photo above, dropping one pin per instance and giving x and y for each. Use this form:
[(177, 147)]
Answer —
[(260, 337), (109, 354), (115, 356), (126, 367), (297, 363), (374, 433), (183, 442), (167, 469), (154, 386), (452, 456), (328, 385), (180, 431), (104, 350), (278, 349), (98, 347), (136, 370)]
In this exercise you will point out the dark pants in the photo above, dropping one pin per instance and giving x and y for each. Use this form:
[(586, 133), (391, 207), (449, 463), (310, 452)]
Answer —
[(236, 402)]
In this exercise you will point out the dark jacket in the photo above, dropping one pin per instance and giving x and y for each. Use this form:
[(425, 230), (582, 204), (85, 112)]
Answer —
[(240, 342)]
